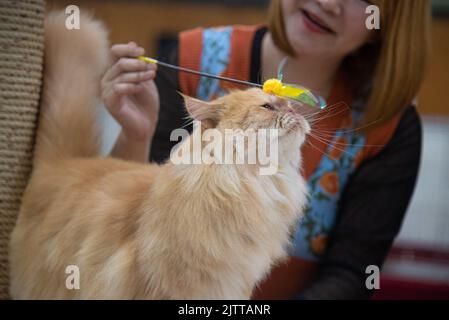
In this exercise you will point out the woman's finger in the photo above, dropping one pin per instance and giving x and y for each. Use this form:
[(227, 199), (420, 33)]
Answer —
[(121, 89), (113, 94), (127, 65), (126, 50), (136, 77)]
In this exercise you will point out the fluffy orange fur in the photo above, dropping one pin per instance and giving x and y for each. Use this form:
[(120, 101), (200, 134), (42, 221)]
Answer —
[(143, 231)]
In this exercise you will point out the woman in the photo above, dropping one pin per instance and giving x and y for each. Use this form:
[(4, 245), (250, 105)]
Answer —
[(361, 162)]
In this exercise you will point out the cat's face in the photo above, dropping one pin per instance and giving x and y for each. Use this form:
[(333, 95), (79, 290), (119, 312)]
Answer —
[(250, 109)]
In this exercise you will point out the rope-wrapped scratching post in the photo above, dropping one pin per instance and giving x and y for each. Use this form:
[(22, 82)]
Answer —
[(21, 64)]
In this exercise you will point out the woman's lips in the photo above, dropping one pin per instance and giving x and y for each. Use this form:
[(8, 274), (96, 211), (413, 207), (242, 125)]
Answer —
[(313, 23)]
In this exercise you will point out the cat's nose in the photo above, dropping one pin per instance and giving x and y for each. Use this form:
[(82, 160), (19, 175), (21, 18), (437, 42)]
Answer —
[(298, 111)]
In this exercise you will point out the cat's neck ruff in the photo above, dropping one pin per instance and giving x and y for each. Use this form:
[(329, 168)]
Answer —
[(193, 165)]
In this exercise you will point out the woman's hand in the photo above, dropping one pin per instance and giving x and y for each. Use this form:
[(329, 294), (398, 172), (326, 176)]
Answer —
[(131, 97)]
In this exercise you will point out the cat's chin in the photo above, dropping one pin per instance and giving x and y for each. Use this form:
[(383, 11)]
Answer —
[(292, 139)]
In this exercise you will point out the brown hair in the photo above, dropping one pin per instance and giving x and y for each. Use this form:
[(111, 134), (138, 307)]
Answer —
[(387, 73)]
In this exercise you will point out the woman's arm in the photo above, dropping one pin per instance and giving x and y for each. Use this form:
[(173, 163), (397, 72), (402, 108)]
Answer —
[(370, 215), (131, 97)]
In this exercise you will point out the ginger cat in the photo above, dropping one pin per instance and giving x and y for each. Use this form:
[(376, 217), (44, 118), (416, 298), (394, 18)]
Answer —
[(144, 231)]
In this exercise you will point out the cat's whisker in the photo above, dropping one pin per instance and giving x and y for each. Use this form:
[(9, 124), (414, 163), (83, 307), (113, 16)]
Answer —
[(323, 139), (345, 144), (324, 116), (326, 142), (315, 147), (332, 130), (324, 134), (328, 109), (335, 147), (339, 105), (329, 139), (189, 122)]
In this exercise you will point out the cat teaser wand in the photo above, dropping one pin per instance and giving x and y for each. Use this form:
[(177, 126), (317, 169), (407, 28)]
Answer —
[(270, 86)]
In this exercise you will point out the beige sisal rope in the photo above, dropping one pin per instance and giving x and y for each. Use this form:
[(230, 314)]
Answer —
[(21, 63)]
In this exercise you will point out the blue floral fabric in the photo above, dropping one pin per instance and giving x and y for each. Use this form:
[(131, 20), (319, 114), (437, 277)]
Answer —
[(214, 60)]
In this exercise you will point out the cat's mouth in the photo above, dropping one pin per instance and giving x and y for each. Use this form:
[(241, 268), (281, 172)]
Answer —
[(292, 122)]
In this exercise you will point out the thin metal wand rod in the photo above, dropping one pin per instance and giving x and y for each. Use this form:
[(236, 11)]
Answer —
[(198, 73)]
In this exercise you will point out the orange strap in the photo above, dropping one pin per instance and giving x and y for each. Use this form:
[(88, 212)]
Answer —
[(240, 57), (377, 139), (190, 52), (190, 48)]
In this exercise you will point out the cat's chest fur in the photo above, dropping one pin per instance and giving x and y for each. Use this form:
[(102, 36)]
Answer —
[(223, 234)]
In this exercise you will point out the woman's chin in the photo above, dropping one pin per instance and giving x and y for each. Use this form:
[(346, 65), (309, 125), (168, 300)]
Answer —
[(303, 41)]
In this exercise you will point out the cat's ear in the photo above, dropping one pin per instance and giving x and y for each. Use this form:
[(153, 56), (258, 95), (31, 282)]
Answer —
[(202, 110)]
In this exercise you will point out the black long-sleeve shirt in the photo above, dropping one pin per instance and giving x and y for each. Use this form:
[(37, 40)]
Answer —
[(372, 205)]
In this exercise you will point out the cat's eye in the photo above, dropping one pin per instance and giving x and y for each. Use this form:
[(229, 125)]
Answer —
[(267, 106)]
